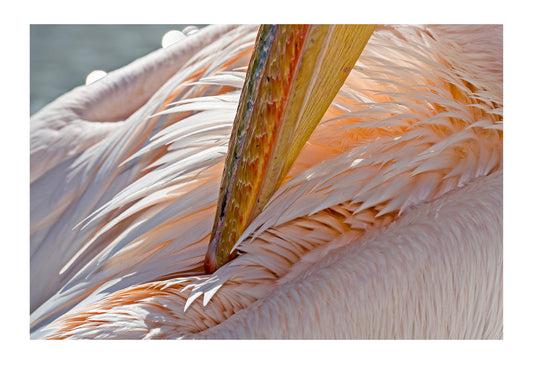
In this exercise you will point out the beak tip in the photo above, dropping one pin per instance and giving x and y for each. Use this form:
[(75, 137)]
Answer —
[(210, 260), (209, 264)]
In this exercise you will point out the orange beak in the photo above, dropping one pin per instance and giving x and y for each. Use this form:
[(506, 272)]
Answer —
[(293, 76)]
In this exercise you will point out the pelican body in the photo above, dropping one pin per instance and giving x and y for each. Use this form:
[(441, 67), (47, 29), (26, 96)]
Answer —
[(305, 181)]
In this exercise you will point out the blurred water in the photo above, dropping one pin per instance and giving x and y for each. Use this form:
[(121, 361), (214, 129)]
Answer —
[(61, 56)]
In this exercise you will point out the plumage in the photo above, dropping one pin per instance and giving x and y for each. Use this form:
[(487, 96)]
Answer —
[(388, 225)]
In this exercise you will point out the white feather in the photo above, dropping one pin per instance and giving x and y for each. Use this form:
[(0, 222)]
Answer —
[(417, 124)]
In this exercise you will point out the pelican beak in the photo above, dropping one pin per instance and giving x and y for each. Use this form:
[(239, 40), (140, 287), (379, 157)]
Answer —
[(293, 76)]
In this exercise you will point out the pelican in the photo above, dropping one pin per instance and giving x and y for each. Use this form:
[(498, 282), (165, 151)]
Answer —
[(162, 207)]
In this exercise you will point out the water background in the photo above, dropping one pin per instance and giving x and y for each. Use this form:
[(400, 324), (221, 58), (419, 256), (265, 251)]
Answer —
[(61, 56)]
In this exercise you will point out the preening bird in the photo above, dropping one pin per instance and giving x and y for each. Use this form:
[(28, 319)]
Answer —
[(384, 221)]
